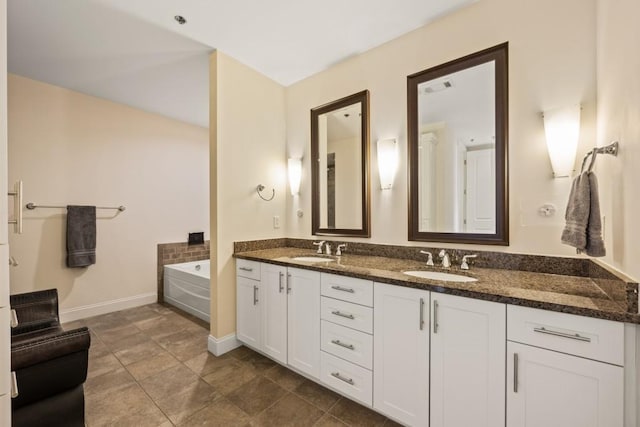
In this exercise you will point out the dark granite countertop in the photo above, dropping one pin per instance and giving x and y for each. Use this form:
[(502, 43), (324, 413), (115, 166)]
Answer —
[(564, 293)]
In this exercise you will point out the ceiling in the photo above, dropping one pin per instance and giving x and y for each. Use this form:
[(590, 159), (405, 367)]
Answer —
[(134, 52)]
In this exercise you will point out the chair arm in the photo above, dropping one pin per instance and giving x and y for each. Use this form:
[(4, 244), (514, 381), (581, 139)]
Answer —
[(35, 310), (41, 348)]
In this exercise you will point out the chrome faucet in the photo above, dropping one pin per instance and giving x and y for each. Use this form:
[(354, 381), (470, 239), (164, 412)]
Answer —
[(340, 249), (319, 245), (430, 259), (446, 261), (327, 249), (464, 265)]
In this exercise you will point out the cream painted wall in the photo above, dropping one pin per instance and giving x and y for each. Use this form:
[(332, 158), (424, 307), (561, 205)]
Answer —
[(551, 63), (619, 119), (71, 148), (248, 137)]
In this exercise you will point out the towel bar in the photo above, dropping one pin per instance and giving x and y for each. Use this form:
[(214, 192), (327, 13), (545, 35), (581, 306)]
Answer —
[(32, 206)]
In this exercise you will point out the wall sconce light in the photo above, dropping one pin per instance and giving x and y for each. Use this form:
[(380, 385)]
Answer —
[(295, 175), (562, 130), (387, 162)]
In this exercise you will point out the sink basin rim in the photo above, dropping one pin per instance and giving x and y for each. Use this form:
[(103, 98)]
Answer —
[(312, 259), (438, 275)]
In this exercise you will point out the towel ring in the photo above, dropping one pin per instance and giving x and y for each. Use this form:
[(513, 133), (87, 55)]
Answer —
[(260, 187)]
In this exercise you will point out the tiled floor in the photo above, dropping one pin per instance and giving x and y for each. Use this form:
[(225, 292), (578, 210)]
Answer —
[(149, 366)]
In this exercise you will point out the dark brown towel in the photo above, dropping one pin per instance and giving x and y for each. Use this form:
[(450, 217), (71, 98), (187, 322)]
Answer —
[(81, 236)]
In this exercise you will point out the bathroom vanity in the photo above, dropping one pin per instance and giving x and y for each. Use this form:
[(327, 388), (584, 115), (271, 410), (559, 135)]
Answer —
[(514, 348)]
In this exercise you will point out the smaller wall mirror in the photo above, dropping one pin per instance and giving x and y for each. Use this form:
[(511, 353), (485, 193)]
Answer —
[(457, 114), (340, 167)]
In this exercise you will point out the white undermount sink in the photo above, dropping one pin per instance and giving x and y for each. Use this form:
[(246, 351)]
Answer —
[(436, 275), (311, 259)]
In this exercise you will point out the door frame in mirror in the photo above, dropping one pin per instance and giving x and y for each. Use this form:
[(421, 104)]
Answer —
[(499, 54), (365, 230)]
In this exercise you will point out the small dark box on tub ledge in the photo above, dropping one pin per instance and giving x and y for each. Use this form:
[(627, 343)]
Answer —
[(196, 238)]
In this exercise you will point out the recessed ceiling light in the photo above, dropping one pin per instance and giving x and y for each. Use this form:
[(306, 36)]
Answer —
[(180, 19)]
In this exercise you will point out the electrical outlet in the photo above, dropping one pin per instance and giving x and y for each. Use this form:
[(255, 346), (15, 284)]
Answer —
[(276, 221)]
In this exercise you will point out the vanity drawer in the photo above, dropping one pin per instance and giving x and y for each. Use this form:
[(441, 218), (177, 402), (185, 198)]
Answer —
[(348, 344), (350, 289), (248, 269), (352, 380), (347, 314), (587, 337)]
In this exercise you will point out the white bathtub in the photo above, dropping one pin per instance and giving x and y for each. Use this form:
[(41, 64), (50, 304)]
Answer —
[(187, 286)]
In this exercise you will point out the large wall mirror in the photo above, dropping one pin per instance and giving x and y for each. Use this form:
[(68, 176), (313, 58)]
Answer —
[(340, 167), (457, 136)]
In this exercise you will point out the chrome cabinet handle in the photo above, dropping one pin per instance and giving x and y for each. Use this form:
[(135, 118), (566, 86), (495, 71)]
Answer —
[(14, 318), (246, 269), (255, 295), (578, 337), (421, 313), (341, 378), (346, 316), (280, 287), (515, 372), (17, 207), (341, 344), (340, 288), (288, 283), (14, 385), (435, 316)]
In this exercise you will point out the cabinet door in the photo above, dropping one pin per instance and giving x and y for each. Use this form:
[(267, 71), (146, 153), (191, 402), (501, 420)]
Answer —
[(550, 389), (468, 340), (248, 312), (303, 287), (273, 280), (401, 353)]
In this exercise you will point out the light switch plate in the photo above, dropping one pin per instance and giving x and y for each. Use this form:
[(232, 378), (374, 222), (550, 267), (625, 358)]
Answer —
[(276, 221)]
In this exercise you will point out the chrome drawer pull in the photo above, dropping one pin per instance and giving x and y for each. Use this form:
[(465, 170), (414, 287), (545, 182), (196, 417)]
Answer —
[(14, 318), (341, 344), (14, 385), (515, 372), (435, 316), (346, 316), (340, 288), (341, 378), (562, 334), (246, 269), (280, 287), (421, 313), (255, 295)]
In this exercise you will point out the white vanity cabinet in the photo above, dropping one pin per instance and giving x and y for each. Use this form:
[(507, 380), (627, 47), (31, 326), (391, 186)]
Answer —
[(468, 339), (273, 279), (401, 353), (563, 370), (248, 303), (303, 320)]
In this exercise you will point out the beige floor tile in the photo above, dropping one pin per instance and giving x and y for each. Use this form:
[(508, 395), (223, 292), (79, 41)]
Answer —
[(101, 365), (108, 383), (354, 414), (259, 362), (129, 407), (256, 395), (317, 395), (291, 410), (184, 346), (220, 413), (152, 366), (138, 352), (329, 421), (169, 382), (284, 377), (128, 342), (391, 423), (207, 362), (241, 352), (114, 335), (229, 377), (180, 406)]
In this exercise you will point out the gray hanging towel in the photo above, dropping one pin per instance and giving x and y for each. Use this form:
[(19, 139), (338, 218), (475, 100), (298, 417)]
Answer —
[(595, 243), (577, 213), (81, 236)]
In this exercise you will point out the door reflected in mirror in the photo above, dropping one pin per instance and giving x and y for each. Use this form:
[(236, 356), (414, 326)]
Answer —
[(340, 167), (457, 148)]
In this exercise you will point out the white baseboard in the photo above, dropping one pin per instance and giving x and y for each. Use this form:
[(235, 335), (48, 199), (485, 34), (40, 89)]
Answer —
[(219, 346), (90, 310)]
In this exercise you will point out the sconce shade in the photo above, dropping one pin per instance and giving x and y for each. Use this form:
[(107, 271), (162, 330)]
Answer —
[(294, 167), (387, 162), (562, 130)]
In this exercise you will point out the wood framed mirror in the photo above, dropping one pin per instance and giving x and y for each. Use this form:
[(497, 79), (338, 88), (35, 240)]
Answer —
[(457, 145), (340, 167)]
